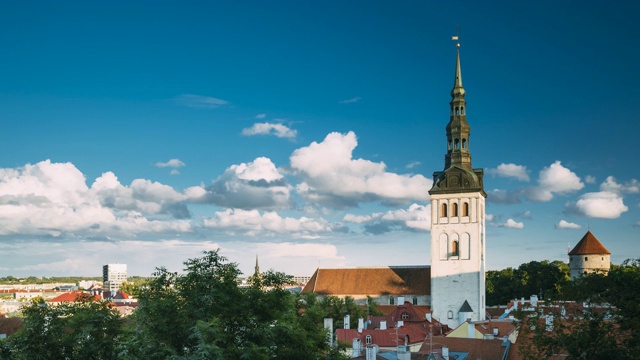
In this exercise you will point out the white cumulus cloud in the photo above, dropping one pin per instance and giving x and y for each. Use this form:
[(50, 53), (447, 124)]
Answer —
[(277, 130), (554, 179), (563, 224), (332, 176), (415, 217), (253, 223), (53, 199), (174, 163), (602, 204), (611, 185), (518, 172), (512, 224), (254, 185)]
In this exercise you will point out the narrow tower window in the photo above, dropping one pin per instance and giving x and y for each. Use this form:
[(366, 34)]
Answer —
[(454, 209), (464, 143), (443, 213), (455, 249), (465, 209), (457, 143)]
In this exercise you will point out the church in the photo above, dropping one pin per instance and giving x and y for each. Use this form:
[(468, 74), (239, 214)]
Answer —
[(454, 284)]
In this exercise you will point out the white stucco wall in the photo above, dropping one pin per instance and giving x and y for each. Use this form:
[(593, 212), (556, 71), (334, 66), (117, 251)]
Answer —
[(456, 278)]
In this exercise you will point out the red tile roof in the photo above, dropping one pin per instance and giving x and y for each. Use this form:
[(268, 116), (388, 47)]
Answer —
[(589, 245), (476, 348), (385, 338), (414, 280), (72, 296)]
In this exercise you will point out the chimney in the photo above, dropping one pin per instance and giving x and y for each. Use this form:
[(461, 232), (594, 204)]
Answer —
[(400, 323), (347, 319), (328, 324), (383, 325), (445, 352), (429, 317), (360, 325), (356, 348), (534, 300), (471, 330), (495, 331), (400, 300)]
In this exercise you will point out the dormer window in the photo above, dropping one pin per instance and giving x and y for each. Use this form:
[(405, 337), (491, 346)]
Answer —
[(404, 316), (368, 339)]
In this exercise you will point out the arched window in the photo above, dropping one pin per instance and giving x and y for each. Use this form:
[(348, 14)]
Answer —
[(454, 209), (449, 314), (455, 249), (464, 143), (368, 339), (586, 258), (443, 213), (465, 209), (457, 143)]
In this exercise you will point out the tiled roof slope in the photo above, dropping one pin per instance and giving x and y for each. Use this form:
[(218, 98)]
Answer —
[(410, 280), (475, 348), (589, 245)]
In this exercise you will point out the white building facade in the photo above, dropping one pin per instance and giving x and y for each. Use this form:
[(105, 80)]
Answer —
[(458, 224), (113, 275)]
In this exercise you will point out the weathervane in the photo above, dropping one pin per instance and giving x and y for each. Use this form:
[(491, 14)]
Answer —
[(456, 37)]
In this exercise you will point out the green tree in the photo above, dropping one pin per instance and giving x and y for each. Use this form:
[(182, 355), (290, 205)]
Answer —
[(83, 329), (605, 329), (204, 314)]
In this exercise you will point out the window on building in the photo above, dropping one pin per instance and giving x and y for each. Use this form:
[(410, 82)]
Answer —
[(390, 300), (368, 339), (454, 209), (443, 213), (455, 249), (465, 209), (586, 258), (415, 300), (449, 314), (457, 143), (404, 316), (464, 143)]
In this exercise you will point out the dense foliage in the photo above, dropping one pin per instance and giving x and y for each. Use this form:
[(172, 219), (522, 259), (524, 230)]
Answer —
[(200, 314), (85, 329), (542, 278), (603, 323)]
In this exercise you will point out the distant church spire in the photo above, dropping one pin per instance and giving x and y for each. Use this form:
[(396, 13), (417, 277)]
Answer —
[(257, 268)]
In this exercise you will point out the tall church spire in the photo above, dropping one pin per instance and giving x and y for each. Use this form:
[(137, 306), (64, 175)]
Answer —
[(458, 223), (458, 174), (458, 129)]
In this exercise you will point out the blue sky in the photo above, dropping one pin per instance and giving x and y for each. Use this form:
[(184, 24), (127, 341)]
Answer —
[(307, 132)]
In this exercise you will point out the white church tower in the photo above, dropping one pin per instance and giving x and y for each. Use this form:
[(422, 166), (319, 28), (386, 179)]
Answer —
[(458, 223)]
